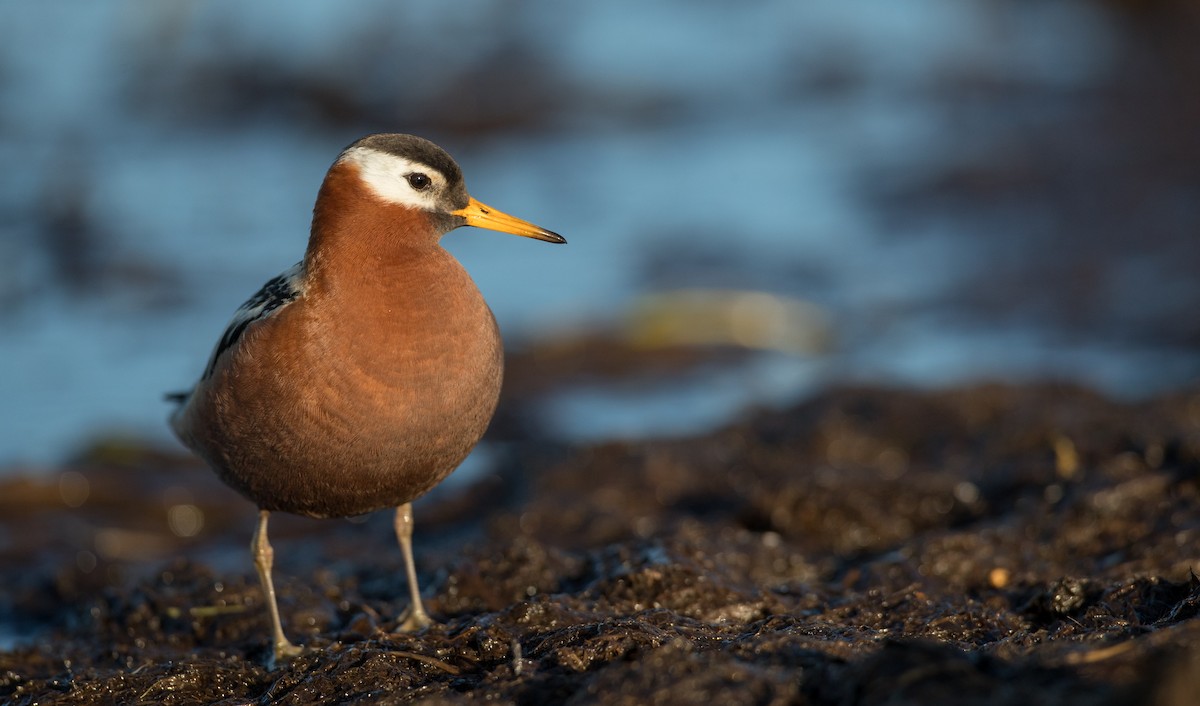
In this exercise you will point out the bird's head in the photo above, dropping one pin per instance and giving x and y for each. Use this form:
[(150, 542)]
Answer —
[(413, 172)]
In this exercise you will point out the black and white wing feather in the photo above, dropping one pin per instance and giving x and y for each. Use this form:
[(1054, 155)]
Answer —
[(275, 294)]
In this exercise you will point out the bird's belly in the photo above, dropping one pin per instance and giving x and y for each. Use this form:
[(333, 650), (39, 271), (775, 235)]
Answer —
[(343, 439), (380, 459)]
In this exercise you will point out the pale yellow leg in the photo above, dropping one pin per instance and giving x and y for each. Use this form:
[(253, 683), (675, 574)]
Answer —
[(264, 556), (416, 617)]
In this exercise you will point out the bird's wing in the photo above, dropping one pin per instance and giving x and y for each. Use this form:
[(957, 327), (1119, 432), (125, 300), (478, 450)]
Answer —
[(274, 295)]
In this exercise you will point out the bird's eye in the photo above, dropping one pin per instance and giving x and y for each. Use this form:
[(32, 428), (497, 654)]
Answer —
[(419, 181)]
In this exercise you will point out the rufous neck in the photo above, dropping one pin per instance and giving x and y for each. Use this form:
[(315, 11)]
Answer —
[(355, 230)]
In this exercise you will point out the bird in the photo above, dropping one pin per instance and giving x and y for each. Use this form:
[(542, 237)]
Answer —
[(361, 377)]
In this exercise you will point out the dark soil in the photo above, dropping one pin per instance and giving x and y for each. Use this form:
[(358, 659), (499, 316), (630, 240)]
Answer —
[(987, 545)]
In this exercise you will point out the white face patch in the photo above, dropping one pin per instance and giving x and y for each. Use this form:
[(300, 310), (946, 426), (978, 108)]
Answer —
[(387, 176)]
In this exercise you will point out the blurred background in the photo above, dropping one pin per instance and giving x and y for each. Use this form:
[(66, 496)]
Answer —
[(761, 199)]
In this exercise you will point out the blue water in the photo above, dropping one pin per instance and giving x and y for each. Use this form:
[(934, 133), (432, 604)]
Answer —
[(754, 136)]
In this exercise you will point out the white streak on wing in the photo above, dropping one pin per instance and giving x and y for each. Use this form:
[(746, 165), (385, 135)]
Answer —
[(386, 175), (276, 294)]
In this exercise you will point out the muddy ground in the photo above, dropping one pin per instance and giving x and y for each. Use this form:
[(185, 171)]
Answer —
[(983, 545)]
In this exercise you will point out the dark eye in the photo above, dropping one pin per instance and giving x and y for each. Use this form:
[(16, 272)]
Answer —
[(419, 181)]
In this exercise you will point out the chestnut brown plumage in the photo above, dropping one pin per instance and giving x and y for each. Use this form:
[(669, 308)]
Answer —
[(360, 378)]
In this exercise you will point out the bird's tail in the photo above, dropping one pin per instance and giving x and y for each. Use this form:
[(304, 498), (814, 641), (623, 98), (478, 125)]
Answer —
[(175, 418)]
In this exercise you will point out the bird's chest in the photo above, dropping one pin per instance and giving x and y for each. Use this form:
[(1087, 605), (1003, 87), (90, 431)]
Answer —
[(426, 362)]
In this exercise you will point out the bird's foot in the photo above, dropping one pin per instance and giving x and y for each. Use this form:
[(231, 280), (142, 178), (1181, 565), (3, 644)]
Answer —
[(414, 619), (284, 652)]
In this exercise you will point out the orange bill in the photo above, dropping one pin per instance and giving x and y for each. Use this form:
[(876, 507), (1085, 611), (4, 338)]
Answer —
[(483, 216)]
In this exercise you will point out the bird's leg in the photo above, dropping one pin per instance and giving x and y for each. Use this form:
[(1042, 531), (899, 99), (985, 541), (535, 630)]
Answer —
[(416, 617), (264, 556)]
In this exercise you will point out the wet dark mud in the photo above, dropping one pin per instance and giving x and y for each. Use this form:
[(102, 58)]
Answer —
[(982, 545)]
